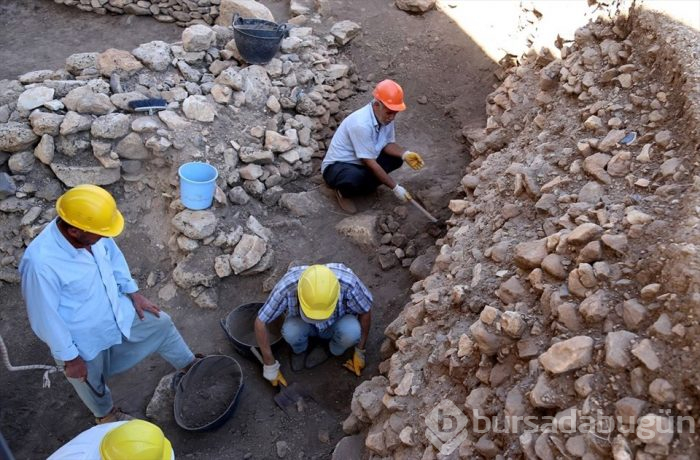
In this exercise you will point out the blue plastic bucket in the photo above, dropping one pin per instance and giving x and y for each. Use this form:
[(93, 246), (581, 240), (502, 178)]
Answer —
[(197, 184)]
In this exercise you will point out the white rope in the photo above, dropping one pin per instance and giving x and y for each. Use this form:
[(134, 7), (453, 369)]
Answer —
[(49, 369)]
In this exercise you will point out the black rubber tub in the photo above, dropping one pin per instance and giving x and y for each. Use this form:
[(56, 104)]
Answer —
[(258, 40), (239, 327), (208, 393)]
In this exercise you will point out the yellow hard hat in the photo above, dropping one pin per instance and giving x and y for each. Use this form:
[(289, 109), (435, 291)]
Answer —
[(136, 440), (318, 290), (92, 209)]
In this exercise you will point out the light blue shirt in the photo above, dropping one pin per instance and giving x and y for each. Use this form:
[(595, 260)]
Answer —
[(359, 136), (76, 301)]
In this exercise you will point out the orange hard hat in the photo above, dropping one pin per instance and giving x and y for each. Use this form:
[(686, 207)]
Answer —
[(389, 93)]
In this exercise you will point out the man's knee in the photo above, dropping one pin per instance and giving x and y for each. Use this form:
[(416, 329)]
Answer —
[(347, 332), (294, 329)]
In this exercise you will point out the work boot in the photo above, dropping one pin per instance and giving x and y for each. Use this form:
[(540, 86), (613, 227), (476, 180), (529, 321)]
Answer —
[(345, 204), (298, 361), (115, 415), (316, 356)]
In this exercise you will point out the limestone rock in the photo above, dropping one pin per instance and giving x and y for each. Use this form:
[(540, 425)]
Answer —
[(160, 407), (156, 55), (45, 123), (21, 162), (34, 97), (617, 349), (569, 354), (84, 100), (595, 307), (197, 38), (173, 121), (584, 233), (256, 85), (655, 429), (644, 351), (76, 175), (244, 8), (361, 229), (15, 137), (344, 31), (277, 142), (117, 61), (77, 63), (195, 224), (44, 150), (247, 253), (111, 126), (73, 123), (199, 108), (197, 269), (415, 6), (530, 254), (132, 148)]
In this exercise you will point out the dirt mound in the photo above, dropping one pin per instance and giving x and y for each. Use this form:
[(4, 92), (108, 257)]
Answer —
[(560, 317)]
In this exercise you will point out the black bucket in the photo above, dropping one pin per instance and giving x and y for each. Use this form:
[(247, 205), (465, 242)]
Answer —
[(258, 40), (208, 393), (239, 327)]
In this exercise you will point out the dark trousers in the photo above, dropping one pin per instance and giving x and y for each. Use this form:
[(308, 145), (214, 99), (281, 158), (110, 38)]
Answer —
[(354, 180)]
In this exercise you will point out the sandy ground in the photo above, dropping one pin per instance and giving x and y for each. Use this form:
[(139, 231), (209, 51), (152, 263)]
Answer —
[(428, 55)]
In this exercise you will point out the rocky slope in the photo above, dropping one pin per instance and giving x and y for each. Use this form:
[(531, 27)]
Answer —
[(560, 317)]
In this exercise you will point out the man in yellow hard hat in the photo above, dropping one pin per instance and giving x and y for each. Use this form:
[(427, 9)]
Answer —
[(84, 304), (133, 440), (326, 301), (363, 150)]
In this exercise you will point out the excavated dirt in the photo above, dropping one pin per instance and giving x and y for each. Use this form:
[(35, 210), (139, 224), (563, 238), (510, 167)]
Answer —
[(431, 57)]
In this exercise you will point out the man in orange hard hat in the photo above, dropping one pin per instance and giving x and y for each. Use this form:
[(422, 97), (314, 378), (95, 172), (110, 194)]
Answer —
[(84, 304), (363, 150)]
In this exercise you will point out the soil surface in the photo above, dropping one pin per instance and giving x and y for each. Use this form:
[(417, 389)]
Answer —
[(429, 55)]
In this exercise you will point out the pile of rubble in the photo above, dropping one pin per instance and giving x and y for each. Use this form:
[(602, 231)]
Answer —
[(260, 126), (560, 319)]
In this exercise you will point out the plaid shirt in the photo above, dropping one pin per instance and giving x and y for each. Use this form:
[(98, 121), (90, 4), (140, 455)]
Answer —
[(354, 296)]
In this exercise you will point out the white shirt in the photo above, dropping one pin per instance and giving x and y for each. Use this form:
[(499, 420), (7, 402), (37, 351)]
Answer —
[(76, 301), (359, 136), (86, 446)]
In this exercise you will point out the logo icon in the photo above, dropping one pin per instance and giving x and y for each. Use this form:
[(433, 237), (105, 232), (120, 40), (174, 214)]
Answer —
[(446, 427)]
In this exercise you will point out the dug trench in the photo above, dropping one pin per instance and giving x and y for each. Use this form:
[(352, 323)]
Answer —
[(446, 78)]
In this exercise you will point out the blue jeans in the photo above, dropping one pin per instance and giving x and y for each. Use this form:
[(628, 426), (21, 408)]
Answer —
[(342, 334), (150, 335)]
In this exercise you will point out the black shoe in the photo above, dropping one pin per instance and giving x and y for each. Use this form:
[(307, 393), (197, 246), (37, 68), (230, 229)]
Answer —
[(316, 356), (298, 361)]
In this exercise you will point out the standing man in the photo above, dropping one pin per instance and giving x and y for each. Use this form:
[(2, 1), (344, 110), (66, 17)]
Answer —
[(84, 304), (363, 150), (326, 301)]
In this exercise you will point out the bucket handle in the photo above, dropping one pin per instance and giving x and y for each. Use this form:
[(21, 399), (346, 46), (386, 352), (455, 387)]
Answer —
[(282, 29)]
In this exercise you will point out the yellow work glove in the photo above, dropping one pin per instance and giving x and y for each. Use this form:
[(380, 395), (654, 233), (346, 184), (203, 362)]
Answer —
[(273, 374), (412, 159), (357, 363)]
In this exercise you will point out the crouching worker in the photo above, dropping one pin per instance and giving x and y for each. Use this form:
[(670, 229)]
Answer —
[(325, 301), (84, 304), (134, 440)]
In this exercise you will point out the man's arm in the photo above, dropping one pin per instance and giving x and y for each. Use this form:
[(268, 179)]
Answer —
[(120, 268), (393, 149), (42, 294), (263, 338), (365, 323)]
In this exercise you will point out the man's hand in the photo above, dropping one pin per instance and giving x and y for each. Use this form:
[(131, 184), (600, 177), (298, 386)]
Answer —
[(142, 304), (413, 159), (401, 193), (75, 369), (273, 374), (357, 363)]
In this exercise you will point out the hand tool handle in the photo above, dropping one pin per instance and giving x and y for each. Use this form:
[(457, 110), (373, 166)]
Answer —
[(422, 209), (257, 354)]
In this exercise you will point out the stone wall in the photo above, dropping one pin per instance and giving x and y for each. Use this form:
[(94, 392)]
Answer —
[(182, 12)]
